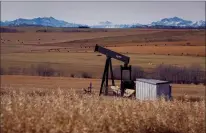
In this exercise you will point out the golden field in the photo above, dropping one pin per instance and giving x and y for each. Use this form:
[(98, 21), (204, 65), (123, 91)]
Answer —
[(60, 111)]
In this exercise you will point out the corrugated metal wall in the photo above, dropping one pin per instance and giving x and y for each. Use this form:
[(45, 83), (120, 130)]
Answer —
[(145, 91)]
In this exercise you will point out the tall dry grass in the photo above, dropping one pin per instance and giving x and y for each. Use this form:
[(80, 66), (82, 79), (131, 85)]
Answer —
[(63, 111)]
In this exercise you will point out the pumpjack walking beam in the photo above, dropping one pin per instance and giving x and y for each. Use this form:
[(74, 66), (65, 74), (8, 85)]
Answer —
[(108, 65)]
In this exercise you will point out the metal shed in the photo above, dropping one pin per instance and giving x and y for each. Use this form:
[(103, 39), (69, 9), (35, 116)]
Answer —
[(151, 89)]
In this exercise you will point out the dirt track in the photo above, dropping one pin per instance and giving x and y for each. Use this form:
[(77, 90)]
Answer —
[(29, 82)]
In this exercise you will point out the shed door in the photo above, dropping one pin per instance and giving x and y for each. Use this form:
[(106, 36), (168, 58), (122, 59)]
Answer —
[(163, 89)]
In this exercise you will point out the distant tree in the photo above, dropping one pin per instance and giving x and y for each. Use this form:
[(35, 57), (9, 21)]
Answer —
[(83, 27), (9, 30)]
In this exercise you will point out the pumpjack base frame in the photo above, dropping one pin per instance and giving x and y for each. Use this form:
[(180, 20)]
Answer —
[(105, 77), (107, 68)]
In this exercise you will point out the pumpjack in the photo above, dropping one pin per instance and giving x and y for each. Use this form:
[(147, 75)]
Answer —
[(125, 83)]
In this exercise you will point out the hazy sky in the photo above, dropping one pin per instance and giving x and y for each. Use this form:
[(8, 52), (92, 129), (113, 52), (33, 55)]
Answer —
[(94, 12)]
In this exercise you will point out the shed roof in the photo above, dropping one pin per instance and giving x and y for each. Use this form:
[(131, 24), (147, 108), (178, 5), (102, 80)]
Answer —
[(152, 81)]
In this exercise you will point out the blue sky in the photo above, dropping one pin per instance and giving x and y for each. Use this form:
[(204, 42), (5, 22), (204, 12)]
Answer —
[(95, 12)]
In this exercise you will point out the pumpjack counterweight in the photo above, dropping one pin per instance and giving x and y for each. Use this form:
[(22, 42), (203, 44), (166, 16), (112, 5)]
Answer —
[(108, 66)]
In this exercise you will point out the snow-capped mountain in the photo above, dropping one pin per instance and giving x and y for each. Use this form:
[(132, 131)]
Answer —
[(200, 23), (108, 24), (44, 21), (52, 22), (166, 22), (175, 21), (105, 23), (178, 22)]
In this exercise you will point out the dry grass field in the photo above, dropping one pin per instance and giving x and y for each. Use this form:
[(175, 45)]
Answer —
[(31, 37), (60, 111), (91, 63), (170, 50)]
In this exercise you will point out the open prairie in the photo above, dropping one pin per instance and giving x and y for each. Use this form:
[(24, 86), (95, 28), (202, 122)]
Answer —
[(48, 104), (72, 50), (182, 42)]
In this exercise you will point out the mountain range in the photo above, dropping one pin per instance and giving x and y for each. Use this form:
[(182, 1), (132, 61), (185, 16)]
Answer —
[(44, 21), (174, 22)]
